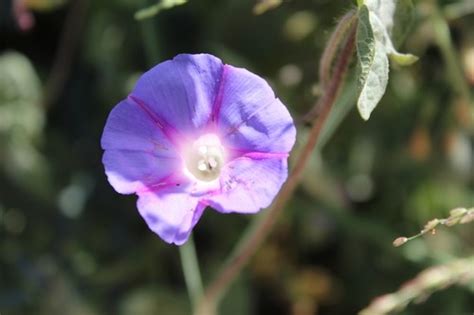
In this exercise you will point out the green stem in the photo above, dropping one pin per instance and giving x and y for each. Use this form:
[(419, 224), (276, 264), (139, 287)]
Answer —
[(192, 276)]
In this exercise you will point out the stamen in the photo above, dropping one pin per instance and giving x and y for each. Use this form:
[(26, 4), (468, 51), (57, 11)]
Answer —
[(204, 158)]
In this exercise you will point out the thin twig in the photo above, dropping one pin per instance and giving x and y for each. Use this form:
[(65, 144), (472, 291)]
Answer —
[(250, 245), (456, 216), (66, 49)]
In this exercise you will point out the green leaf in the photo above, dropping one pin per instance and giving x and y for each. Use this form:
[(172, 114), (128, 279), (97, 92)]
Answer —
[(384, 9), (263, 6), (21, 124), (383, 15), (373, 65), (156, 8), (20, 96), (382, 35), (377, 20)]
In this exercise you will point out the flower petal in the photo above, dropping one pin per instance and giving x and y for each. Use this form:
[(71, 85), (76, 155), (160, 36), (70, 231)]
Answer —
[(170, 213), (250, 116), (180, 93), (129, 127), (135, 171), (248, 185)]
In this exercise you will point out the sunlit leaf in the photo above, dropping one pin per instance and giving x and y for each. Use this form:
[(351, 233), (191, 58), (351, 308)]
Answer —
[(44, 5), (385, 10), (381, 31), (20, 93), (377, 20), (392, 19), (373, 63), (263, 6), (21, 122), (156, 8)]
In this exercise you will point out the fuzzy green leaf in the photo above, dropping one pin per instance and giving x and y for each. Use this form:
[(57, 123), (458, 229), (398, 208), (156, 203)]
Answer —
[(381, 33), (377, 20), (373, 65)]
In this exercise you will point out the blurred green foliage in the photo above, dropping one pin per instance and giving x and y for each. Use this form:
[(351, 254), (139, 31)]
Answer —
[(70, 245)]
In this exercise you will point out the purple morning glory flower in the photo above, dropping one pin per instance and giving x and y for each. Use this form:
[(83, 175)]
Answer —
[(195, 133)]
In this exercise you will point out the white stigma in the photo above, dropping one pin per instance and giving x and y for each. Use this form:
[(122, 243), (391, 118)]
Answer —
[(204, 158)]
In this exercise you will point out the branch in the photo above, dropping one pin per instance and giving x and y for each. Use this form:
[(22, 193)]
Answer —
[(67, 49)]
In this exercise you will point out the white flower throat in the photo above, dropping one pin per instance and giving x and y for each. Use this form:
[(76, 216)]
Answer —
[(204, 158)]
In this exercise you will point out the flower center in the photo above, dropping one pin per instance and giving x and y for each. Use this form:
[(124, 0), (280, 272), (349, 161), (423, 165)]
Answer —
[(205, 157)]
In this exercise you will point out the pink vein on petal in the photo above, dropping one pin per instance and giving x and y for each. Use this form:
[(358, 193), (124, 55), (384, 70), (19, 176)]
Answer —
[(265, 155), (149, 152), (216, 106), (192, 212), (167, 181), (235, 128), (145, 108), (167, 130)]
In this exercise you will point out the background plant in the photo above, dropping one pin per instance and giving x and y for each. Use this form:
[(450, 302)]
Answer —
[(69, 245)]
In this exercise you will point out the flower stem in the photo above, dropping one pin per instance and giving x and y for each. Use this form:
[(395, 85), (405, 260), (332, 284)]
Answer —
[(262, 227), (192, 276)]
